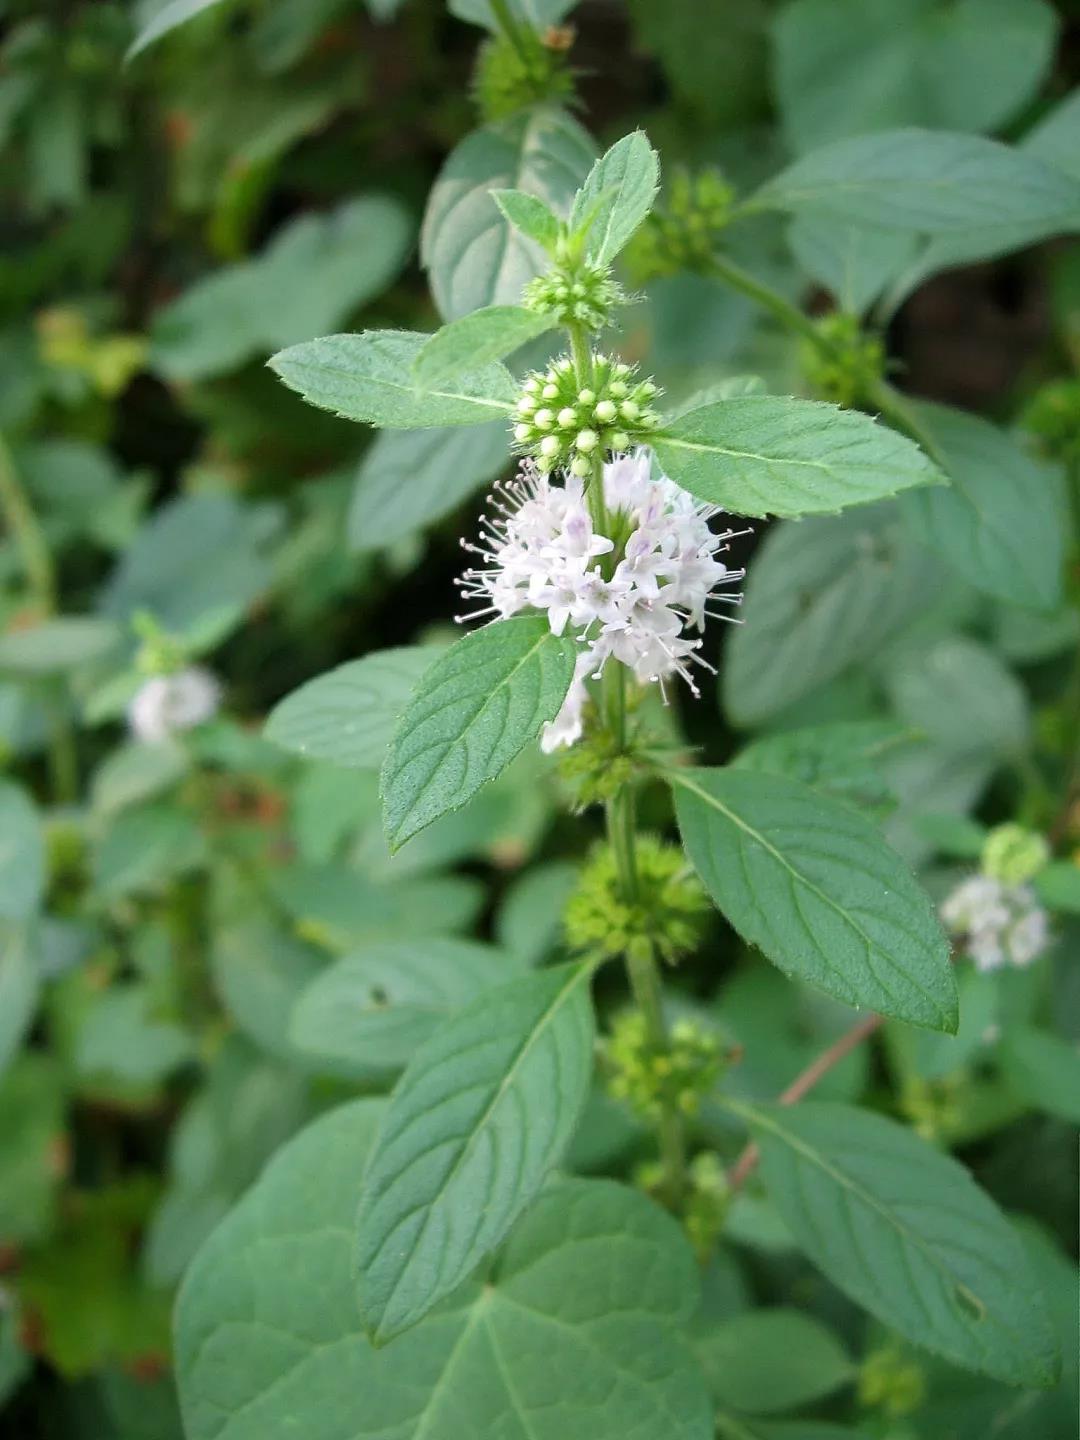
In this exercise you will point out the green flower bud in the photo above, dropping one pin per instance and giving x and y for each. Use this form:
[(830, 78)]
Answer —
[(567, 417), (580, 467), (1013, 854), (586, 440), (605, 412), (550, 446)]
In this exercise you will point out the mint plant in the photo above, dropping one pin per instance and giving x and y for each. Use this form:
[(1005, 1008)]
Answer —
[(595, 960)]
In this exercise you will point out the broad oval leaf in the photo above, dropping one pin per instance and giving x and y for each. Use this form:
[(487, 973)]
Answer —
[(617, 195), (408, 479), (473, 255), (369, 377), (269, 1343), (347, 716), (841, 759), (903, 1230), (1000, 522), (473, 711), (477, 1121), (813, 884), (165, 18), (22, 854), (771, 1360), (370, 1010), (847, 66), (487, 334), (57, 646), (821, 596), (930, 182), (769, 455)]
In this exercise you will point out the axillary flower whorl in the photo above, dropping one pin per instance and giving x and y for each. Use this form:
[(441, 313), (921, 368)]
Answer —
[(559, 422)]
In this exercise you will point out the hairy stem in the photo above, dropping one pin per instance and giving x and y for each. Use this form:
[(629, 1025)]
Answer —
[(804, 1083), (642, 970)]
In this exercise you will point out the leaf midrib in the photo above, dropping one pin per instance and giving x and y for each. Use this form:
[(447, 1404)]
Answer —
[(797, 875), (577, 975)]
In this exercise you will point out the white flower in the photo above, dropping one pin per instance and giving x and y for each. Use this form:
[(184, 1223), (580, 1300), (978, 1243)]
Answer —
[(1000, 924), (632, 604), (168, 703)]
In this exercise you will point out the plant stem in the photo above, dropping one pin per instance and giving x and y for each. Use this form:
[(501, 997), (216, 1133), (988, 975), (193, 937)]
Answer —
[(882, 395), (804, 1083), (29, 538), (769, 299), (508, 24), (37, 563), (642, 970)]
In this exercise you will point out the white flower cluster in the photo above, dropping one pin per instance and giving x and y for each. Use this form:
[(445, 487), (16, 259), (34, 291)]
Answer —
[(542, 552), (166, 704), (1001, 924)]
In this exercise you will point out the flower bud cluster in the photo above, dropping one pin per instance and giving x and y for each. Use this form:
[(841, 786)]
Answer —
[(847, 367), (1053, 417), (530, 69), (167, 704), (559, 422), (1014, 854), (654, 1077), (667, 914), (683, 232), (575, 293), (999, 924), (891, 1381)]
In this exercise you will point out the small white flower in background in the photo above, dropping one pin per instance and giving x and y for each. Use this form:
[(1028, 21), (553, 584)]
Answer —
[(1000, 924), (541, 552), (166, 704)]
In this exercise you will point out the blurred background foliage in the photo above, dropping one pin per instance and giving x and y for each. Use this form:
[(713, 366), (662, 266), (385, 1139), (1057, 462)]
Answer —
[(268, 171)]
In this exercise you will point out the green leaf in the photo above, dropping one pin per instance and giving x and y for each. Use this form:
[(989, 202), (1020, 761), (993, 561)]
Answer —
[(341, 909), (274, 1280), (821, 596), (197, 556), (475, 339), (477, 1121), (903, 1230), (537, 13), (772, 1360), (844, 67), (617, 195), (167, 17), (260, 971), (315, 272), (20, 985), (1043, 1070), (1000, 521), (961, 696), (768, 455), (813, 884), (56, 646), (717, 73), (530, 215), (347, 716), (840, 759), (854, 262), (144, 849), (22, 854), (121, 1038), (1058, 886), (473, 711), (933, 183), (135, 772), (371, 1011), (473, 255), (529, 922), (409, 479), (369, 377)]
